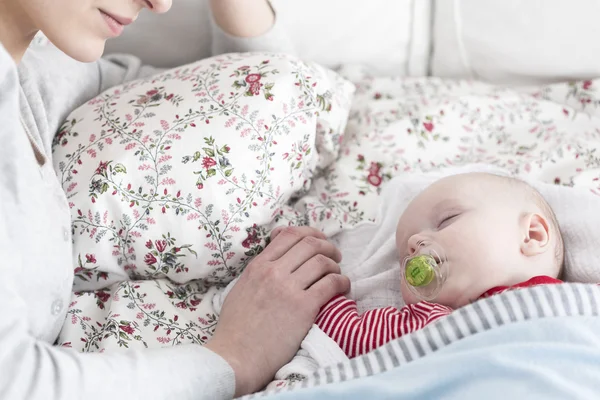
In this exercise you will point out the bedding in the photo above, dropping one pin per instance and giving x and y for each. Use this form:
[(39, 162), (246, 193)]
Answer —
[(395, 126), (175, 181), (516, 342), (371, 261)]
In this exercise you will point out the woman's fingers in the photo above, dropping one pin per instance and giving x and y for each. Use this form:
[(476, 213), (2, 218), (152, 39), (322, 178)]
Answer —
[(326, 288), (306, 249), (313, 270), (272, 306), (283, 239)]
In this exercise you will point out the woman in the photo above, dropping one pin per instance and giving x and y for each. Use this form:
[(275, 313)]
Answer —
[(283, 287)]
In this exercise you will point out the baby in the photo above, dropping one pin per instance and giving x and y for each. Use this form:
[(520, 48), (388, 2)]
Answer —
[(465, 237)]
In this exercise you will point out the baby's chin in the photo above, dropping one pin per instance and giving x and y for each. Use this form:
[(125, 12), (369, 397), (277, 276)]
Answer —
[(407, 296), (447, 297)]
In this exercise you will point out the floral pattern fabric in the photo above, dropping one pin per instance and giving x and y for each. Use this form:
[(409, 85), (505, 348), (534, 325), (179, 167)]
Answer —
[(175, 182), (285, 148)]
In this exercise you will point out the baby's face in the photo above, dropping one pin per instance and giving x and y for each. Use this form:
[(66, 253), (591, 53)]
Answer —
[(476, 222)]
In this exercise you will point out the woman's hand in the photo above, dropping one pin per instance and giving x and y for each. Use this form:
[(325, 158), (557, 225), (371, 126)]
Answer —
[(273, 305), (243, 18)]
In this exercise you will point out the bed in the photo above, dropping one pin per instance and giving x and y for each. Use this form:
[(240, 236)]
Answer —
[(537, 118)]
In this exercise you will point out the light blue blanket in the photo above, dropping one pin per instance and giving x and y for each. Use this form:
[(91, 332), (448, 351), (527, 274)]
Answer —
[(554, 358), (536, 343)]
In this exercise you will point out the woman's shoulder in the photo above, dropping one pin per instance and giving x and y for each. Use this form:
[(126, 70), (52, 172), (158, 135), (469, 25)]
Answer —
[(7, 69), (53, 85), (9, 89)]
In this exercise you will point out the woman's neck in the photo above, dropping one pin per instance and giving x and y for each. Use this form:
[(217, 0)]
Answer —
[(16, 29)]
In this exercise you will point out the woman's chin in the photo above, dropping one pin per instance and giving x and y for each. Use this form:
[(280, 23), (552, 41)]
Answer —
[(83, 50), (90, 53)]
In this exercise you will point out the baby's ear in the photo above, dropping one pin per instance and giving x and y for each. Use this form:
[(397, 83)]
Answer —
[(536, 235)]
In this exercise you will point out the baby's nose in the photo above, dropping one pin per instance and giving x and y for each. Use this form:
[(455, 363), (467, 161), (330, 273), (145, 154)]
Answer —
[(414, 242)]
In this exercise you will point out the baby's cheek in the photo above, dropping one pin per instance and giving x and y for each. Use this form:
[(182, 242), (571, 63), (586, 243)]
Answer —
[(407, 295)]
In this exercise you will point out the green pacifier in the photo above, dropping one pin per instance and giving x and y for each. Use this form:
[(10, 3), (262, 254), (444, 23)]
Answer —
[(420, 270), (426, 271)]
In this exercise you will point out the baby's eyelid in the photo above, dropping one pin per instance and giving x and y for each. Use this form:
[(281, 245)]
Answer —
[(448, 218)]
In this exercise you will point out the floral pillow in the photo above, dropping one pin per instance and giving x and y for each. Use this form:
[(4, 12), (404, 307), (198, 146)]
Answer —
[(182, 175)]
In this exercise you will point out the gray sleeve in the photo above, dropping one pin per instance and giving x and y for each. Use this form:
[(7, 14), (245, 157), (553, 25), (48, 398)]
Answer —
[(34, 369), (55, 84)]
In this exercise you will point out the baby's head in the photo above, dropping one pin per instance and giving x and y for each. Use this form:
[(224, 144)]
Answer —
[(494, 231)]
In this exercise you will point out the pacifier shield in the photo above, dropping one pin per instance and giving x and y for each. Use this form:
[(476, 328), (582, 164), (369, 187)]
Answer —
[(426, 271)]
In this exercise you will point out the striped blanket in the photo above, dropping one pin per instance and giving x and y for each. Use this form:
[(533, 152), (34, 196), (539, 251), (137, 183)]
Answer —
[(497, 312)]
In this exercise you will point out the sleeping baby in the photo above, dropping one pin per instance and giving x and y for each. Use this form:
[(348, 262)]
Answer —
[(464, 237)]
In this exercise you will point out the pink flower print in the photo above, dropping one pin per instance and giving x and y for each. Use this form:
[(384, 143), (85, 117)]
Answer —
[(252, 237), (374, 168), (253, 78), (208, 162), (374, 180), (361, 158), (127, 329), (102, 167), (428, 126), (587, 85), (90, 258), (255, 88), (169, 97), (151, 92), (161, 245), (150, 259), (143, 100), (149, 244), (103, 296), (200, 186)]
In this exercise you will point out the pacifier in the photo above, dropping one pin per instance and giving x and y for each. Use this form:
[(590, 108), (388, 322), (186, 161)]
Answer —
[(425, 272)]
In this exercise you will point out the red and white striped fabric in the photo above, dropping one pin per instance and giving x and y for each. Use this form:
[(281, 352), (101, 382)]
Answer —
[(358, 334)]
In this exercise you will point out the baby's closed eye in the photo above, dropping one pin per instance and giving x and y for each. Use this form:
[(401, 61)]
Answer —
[(447, 220)]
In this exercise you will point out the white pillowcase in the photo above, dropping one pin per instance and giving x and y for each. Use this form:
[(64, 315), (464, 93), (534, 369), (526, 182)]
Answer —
[(183, 174), (516, 42)]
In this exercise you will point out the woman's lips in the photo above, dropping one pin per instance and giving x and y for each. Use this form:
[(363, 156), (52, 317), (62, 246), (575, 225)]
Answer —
[(115, 23)]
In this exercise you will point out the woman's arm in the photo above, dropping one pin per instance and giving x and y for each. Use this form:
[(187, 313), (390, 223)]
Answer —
[(262, 324), (243, 18), (33, 369), (247, 25)]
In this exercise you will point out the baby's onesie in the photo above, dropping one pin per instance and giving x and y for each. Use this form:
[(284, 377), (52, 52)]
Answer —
[(359, 334)]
